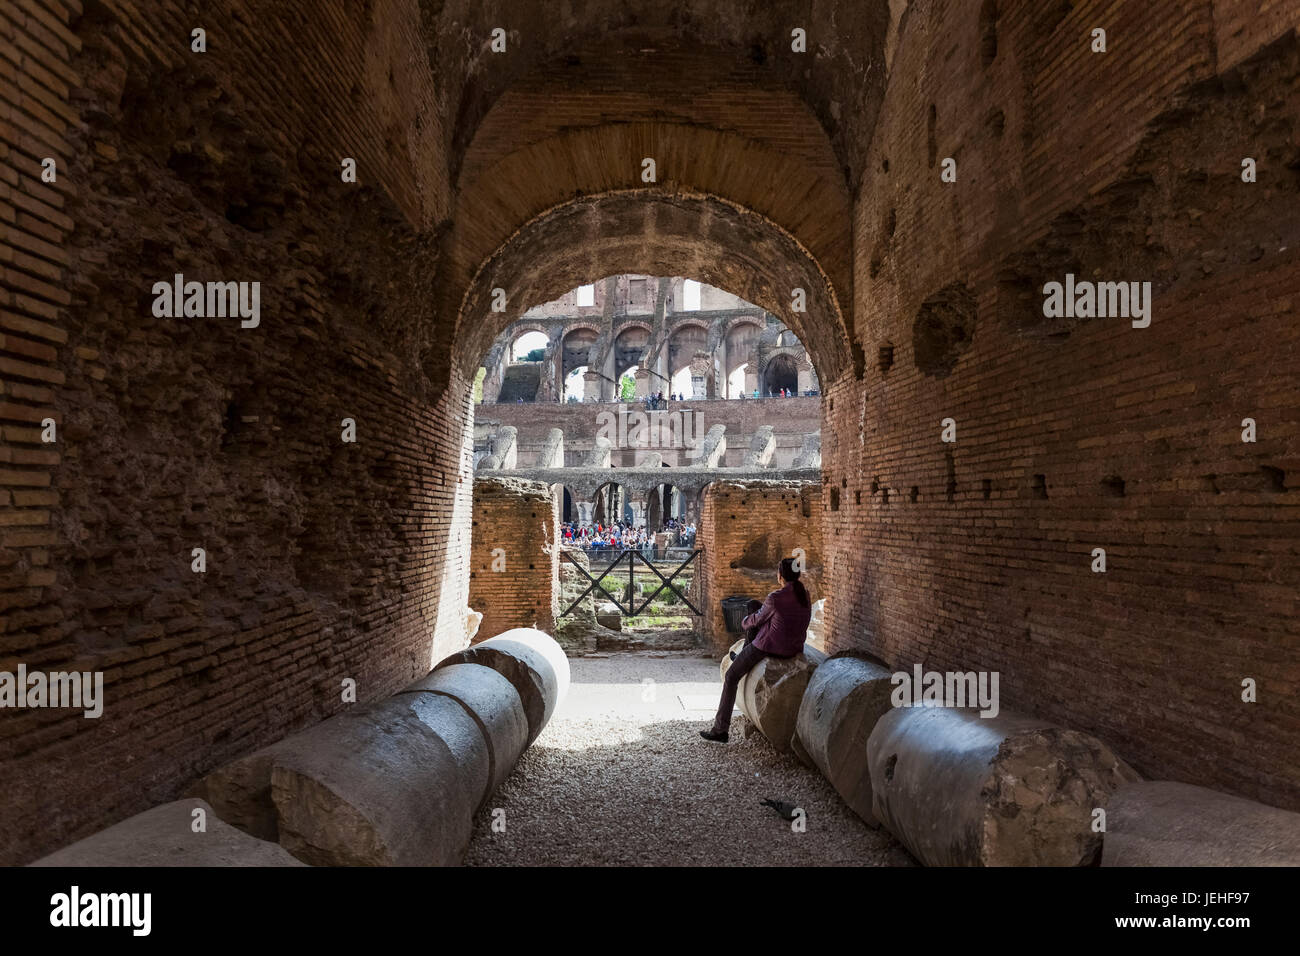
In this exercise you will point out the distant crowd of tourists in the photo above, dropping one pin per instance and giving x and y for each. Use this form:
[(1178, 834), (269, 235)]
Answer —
[(622, 535)]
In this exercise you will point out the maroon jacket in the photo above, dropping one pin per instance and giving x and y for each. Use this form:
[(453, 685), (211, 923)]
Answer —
[(782, 623)]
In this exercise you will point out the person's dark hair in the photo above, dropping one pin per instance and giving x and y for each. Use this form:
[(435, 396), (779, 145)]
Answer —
[(791, 576)]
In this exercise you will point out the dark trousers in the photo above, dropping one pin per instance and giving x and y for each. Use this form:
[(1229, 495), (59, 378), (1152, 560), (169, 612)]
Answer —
[(745, 661)]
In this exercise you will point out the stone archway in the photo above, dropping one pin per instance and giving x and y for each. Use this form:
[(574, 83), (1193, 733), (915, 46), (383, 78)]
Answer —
[(781, 372)]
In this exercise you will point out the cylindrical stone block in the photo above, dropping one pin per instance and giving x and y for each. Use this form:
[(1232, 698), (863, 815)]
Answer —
[(165, 836), (962, 790), (844, 699), (770, 694), (492, 702), (372, 787), (463, 733), (532, 661)]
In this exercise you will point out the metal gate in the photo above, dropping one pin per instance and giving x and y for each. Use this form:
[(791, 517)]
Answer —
[(632, 555)]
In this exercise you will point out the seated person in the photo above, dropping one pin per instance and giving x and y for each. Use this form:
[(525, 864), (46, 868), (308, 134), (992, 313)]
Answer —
[(777, 629)]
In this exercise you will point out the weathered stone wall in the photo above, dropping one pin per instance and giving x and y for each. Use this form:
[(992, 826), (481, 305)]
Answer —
[(794, 418), (514, 571), (977, 554), (325, 560), (746, 528)]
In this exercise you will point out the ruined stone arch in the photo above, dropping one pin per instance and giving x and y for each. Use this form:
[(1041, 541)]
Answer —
[(519, 331), (578, 327), (611, 501), (741, 354), (780, 370), (623, 360), (644, 231)]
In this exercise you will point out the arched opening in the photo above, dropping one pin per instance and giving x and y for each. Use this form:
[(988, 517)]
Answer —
[(529, 346), (741, 359), (627, 385), (611, 505), (665, 507), (629, 349), (687, 361), (575, 384), (575, 357), (781, 374), (641, 232)]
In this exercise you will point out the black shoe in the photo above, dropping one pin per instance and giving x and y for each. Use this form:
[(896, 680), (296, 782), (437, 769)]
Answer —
[(714, 735)]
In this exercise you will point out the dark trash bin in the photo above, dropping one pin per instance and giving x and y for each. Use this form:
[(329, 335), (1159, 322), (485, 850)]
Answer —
[(734, 610)]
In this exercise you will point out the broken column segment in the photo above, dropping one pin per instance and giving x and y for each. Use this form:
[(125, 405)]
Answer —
[(963, 790), (762, 446), (373, 786), (532, 661), (1176, 824), (552, 453), (397, 782), (710, 452), (492, 703), (845, 698), (601, 451), (770, 694), (505, 446), (165, 836)]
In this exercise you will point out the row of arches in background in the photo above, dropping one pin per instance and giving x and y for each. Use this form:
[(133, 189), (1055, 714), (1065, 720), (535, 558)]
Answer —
[(736, 362), (613, 503)]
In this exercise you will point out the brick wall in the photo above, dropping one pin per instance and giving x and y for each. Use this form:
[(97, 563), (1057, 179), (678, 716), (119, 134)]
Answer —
[(746, 528), (514, 572), (978, 553), (325, 560)]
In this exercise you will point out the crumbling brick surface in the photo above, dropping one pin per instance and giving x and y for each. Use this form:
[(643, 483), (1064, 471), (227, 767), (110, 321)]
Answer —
[(1086, 434), (746, 528), (325, 560), (514, 571)]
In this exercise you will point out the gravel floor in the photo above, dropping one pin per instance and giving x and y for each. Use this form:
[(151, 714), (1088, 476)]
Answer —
[(621, 776)]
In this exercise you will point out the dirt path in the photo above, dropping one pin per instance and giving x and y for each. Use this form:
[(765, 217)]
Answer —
[(621, 776)]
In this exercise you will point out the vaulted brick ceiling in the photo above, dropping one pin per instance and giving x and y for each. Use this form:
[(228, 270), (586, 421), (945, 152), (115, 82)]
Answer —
[(756, 150)]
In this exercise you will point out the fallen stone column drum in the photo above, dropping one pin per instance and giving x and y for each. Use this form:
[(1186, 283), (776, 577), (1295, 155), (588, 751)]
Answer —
[(165, 836), (495, 708), (391, 783), (961, 790), (770, 694), (374, 786), (397, 782), (1177, 824), (532, 661), (845, 698)]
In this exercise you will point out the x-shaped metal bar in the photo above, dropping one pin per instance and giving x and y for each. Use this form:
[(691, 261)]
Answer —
[(668, 583), (632, 555), (595, 583)]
